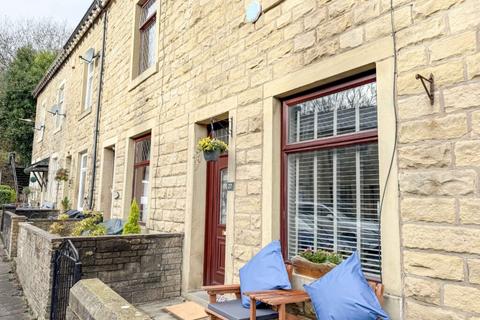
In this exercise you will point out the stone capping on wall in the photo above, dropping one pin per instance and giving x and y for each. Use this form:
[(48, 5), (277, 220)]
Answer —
[(92, 299), (140, 268)]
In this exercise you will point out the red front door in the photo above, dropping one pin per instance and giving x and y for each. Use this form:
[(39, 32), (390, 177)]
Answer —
[(216, 216)]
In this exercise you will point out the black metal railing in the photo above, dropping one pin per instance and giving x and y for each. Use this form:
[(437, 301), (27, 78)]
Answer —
[(67, 271)]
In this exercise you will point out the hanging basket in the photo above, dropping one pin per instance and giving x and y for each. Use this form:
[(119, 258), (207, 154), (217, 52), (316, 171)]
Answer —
[(211, 155)]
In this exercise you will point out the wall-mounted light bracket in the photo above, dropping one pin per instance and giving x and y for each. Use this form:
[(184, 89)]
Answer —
[(430, 89), (213, 123), (30, 121), (56, 113)]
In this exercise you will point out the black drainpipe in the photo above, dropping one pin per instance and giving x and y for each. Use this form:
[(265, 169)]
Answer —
[(97, 115)]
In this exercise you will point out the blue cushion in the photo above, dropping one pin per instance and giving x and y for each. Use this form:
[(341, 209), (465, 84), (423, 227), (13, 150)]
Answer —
[(265, 271), (234, 310), (344, 293)]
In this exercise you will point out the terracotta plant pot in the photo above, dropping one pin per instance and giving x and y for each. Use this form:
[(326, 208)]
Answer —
[(211, 155), (310, 269)]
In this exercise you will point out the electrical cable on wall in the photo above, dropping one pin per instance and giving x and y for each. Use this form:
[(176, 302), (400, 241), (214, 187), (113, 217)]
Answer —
[(162, 75), (394, 89)]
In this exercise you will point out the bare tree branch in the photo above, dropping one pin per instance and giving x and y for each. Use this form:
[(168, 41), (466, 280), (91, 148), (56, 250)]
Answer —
[(40, 34)]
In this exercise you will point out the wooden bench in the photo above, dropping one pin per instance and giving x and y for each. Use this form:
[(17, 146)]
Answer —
[(277, 299)]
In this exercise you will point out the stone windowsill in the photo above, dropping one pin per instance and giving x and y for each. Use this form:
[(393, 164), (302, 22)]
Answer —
[(57, 130), (143, 77), (84, 113)]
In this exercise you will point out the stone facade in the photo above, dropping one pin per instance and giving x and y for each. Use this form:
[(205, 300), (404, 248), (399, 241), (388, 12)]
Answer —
[(210, 62), (140, 268)]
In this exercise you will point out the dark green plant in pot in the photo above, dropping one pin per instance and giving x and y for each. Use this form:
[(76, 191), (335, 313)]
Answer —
[(132, 226), (7, 195)]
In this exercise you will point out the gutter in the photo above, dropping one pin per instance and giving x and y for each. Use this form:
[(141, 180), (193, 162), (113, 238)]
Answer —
[(99, 104)]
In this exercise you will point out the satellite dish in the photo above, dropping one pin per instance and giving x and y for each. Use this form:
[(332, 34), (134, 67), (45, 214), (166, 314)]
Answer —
[(54, 109), (90, 54), (253, 11)]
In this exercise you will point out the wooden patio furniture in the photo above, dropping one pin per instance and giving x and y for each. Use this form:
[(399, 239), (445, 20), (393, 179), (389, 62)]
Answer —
[(234, 310), (277, 299)]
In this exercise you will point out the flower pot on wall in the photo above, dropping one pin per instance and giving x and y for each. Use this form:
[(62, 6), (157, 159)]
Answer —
[(211, 155), (310, 269)]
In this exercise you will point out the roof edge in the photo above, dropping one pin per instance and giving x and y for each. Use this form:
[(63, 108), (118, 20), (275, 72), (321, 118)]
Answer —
[(89, 18)]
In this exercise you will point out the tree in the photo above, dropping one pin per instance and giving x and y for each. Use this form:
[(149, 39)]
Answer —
[(132, 226), (39, 34), (17, 102)]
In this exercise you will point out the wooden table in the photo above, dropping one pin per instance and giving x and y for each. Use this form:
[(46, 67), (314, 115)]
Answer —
[(278, 299)]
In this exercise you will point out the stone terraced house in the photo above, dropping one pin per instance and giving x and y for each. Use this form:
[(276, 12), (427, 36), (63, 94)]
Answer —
[(331, 135)]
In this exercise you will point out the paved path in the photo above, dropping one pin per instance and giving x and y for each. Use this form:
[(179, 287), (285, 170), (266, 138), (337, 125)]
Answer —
[(12, 303)]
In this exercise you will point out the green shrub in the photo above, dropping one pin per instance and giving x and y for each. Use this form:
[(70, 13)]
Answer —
[(7, 195), (132, 226), (90, 225), (321, 256), (66, 205), (63, 217), (60, 227)]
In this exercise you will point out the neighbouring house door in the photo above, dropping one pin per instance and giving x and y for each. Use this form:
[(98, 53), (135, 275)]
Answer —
[(216, 219)]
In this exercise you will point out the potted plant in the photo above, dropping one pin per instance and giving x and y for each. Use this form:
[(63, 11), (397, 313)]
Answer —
[(211, 148), (315, 264), (66, 204), (61, 175)]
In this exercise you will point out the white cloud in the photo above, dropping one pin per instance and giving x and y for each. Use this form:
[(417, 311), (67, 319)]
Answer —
[(70, 11)]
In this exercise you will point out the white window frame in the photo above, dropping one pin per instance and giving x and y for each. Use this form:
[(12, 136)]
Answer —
[(41, 127), (51, 187), (82, 178), (149, 22), (60, 107), (89, 80)]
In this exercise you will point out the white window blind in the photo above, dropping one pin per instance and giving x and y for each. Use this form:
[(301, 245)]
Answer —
[(333, 192)]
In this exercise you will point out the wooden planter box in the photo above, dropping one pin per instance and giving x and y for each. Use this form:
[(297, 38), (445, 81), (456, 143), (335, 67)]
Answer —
[(310, 269)]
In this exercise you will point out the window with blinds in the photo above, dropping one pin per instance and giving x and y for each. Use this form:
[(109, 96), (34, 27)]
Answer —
[(332, 177)]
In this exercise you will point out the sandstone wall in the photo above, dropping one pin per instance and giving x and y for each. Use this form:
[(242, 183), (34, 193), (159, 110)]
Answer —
[(208, 56), (439, 160)]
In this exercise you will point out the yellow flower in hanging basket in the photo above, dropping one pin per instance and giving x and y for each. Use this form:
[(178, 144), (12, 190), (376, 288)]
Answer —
[(209, 144), (211, 148)]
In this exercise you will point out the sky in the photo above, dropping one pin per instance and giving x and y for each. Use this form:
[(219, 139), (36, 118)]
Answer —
[(70, 11)]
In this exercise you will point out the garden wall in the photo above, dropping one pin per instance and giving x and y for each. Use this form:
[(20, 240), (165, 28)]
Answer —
[(93, 300), (10, 218), (9, 232), (140, 268)]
